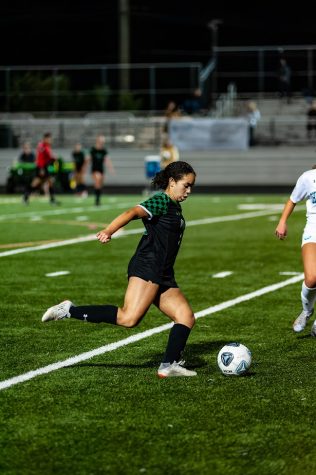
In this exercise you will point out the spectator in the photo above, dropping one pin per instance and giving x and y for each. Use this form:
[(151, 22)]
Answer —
[(79, 160), (26, 155), (99, 157), (172, 111), (168, 153), (284, 74), (43, 177), (311, 120), (253, 116), (194, 104)]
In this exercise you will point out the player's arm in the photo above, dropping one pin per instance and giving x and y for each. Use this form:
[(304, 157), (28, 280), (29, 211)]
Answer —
[(86, 161), (50, 156), (110, 165), (123, 219), (281, 229)]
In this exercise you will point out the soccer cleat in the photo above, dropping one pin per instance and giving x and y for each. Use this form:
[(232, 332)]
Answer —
[(57, 312), (55, 203), (300, 322), (167, 370)]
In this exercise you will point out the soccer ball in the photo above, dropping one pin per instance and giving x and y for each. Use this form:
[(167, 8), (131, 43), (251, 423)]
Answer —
[(234, 359)]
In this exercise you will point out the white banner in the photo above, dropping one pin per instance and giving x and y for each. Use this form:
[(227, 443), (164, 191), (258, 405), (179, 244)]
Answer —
[(207, 134)]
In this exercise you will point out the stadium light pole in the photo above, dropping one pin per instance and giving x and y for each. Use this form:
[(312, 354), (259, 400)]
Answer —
[(124, 58), (213, 26)]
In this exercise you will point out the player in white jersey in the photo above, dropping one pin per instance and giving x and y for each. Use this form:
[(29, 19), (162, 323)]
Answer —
[(305, 189)]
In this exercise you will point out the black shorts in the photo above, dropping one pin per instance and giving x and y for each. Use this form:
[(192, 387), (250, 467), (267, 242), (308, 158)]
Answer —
[(97, 169), (78, 167), (143, 270), (42, 172)]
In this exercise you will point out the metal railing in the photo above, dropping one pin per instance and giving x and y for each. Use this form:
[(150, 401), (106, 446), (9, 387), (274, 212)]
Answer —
[(95, 87), (61, 88)]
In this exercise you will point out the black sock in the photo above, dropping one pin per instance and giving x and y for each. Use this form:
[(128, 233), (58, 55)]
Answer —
[(97, 195), (51, 194), (177, 340), (95, 313)]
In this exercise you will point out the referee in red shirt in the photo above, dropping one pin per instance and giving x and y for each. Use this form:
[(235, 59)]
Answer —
[(44, 158)]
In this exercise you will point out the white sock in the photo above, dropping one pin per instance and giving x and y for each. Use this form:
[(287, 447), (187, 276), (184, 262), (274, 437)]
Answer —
[(308, 297)]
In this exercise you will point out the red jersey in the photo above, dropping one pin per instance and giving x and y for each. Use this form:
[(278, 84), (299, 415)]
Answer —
[(44, 155)]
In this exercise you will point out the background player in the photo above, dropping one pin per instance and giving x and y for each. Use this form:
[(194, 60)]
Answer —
[(44, 158), (150, 271), (99, 158), (79, 160)]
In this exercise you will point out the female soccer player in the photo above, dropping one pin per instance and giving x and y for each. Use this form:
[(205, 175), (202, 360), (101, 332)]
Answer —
[(99, 158), (305, 189), (150, 271)]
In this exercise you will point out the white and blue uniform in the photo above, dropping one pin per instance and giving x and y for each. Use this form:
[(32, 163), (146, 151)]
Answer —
[(305, 189)]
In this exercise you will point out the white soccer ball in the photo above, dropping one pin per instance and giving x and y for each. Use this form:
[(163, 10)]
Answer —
[(234, 359)]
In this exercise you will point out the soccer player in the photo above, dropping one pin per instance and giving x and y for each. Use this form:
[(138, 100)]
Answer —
[(151, 277), (305, 189), (99, 157), (44, 158), (79, 161)]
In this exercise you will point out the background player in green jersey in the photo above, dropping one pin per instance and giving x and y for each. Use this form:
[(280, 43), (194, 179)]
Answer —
[(151, 277), (99, 158)]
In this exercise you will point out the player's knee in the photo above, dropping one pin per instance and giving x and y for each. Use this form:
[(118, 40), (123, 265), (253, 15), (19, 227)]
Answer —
[(187, 319), (191, 320), (129, 320), (310, 281)]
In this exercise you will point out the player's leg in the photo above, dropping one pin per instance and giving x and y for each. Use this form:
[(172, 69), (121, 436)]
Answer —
[(308, 292), (173, 303), (51, 190), (80, 187), (98, 183), (139, 295), (33, 186)]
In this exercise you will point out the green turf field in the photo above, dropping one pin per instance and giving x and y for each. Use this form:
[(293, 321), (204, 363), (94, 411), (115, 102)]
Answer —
[(110, 414)]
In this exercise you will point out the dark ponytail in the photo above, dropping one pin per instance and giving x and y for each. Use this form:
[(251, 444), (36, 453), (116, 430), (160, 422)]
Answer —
[(175, 170)]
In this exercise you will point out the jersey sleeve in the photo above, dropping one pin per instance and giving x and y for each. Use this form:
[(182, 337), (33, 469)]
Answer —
[(156, 205), (300, 191)]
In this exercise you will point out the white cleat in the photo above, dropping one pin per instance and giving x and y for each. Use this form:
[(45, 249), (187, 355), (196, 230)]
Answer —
[(57, 312), (300, 322), (167, 370)]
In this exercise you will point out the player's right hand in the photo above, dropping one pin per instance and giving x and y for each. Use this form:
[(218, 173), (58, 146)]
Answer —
[(104, 237), (281, 231)]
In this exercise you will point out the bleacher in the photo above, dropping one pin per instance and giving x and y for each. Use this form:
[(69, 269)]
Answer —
[(281, 154), (282, 122)]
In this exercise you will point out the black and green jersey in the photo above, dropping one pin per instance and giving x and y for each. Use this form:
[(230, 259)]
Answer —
[(158, 248), (78, 158), (98, 156)]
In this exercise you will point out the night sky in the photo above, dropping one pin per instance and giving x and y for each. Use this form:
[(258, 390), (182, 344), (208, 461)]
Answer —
[(87, 32)]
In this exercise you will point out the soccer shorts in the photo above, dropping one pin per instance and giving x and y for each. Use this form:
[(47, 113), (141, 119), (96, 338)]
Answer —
[(42, 172), (139, 268), (309, 234)]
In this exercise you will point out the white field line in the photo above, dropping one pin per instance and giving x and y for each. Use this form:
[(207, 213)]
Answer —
[(142, 335), (222, 275), (58, 212), (123, 233), (57, 273)]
